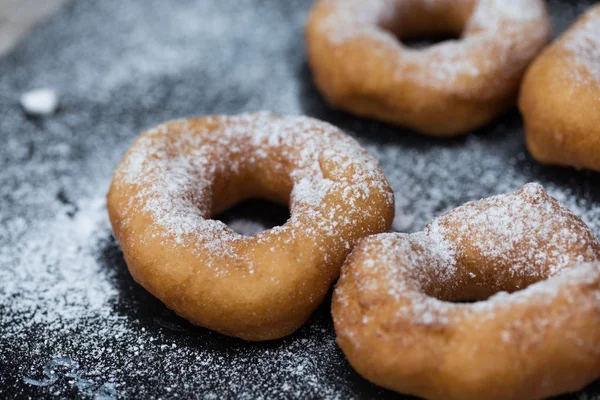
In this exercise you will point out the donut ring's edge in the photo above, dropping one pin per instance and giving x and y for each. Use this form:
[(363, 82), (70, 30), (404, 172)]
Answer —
[(437, 383), (283, 319), (388, 353)]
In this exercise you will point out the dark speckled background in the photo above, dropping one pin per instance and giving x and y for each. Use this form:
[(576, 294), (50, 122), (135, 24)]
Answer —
[(123, 66)]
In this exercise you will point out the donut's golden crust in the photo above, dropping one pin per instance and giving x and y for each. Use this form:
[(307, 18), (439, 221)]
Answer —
[(560, 98), (174, 177), (447, 89), (396, 321)]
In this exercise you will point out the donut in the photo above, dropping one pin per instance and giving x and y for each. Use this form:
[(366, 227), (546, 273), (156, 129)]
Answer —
[(179, 174), (496, 299), (447, 89), (560, 98)]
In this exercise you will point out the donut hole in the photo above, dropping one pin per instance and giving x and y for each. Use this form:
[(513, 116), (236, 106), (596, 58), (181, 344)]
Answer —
[(422, 42), (253, 197), (253, 216), (426, 24)]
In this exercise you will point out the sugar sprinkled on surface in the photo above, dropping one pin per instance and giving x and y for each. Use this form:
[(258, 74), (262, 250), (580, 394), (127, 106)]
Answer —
[(57, 266)]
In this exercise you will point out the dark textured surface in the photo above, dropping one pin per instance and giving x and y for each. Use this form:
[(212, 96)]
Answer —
[(121, 67)]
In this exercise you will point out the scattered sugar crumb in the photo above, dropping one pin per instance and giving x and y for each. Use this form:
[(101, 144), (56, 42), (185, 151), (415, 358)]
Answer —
[(40, 102)]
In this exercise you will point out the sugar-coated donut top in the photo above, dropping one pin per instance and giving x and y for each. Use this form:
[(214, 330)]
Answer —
[(354, 18), (524, 230), (503, 32), (173, 173), (525, 224), (583, 44)]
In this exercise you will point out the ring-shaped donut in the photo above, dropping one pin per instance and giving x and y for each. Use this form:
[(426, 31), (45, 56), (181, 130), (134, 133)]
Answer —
[(177, 175), (402, 318), (446, 89)]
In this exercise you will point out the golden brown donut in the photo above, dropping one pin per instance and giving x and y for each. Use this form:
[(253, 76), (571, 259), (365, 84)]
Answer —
[(175, 176), (560, 98), (446, 89), (401, 318)]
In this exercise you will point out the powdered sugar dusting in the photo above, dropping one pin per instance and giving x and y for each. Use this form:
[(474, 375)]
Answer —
[(583, 44), (355, 18), (71, 279), (351, 19), (500, 15), (494, 32), (525, 232)]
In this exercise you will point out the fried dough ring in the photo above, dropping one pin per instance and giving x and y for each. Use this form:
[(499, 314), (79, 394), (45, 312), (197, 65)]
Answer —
[(560, 98), (175, 176), (399, 320), (446, 89)]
